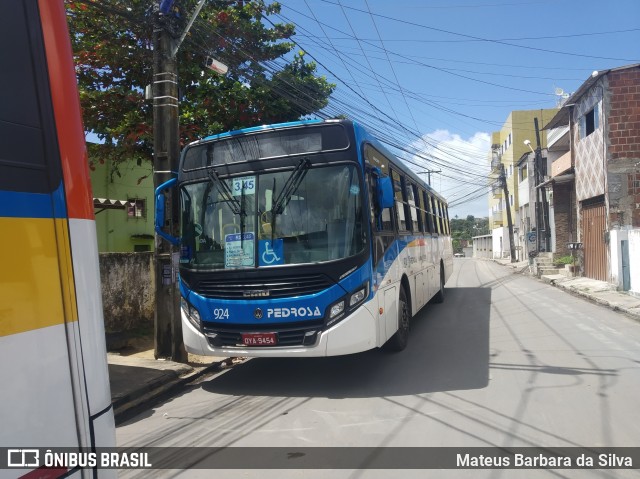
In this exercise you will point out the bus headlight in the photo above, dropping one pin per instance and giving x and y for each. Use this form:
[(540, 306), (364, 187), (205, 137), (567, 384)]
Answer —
[(191, 313), (336, 309), (359, 295)]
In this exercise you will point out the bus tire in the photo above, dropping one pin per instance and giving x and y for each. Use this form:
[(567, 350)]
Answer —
[(400, 339), (439, 297)]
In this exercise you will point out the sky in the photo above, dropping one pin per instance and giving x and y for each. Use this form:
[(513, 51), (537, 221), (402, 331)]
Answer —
[(434, 78)]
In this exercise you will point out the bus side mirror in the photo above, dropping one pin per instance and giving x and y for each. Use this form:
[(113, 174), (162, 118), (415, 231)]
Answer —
[(159, 220), (385, 192)]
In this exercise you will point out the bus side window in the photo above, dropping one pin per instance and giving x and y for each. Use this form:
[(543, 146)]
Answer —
[(400, 209), (434, 215), (410, 206), (418, 225), (422, 214), (446, 219), (380, 220), (440, 217), (427, 209), (373, 201)]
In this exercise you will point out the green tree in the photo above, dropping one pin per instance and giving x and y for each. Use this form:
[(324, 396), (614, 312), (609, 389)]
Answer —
[(465, 229), (112, 43)]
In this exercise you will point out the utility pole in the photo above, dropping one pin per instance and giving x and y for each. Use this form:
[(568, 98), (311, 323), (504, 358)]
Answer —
[(166, 152), (428, 172), (505, 189), (166, 155), (542, 207)]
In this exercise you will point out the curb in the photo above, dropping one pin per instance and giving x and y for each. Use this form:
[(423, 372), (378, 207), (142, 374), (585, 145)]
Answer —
[(558, 282), (153, 389), (601, 301)]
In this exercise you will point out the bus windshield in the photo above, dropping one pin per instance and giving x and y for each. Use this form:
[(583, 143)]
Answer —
[(305, 215)]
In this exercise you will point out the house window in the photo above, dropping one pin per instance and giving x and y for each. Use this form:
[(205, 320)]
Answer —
[(137, 208), (589, 123)]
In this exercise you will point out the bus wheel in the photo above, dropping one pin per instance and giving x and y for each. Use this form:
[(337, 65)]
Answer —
[(399, 340), (439, 297)]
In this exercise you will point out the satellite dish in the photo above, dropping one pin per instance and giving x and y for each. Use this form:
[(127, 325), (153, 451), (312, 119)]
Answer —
[(559, 92)]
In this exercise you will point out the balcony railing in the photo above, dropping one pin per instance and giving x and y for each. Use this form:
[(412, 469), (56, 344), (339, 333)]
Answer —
[(556, 134)]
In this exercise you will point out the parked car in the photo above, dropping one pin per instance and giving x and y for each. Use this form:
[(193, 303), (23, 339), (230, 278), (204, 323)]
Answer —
[(459, 255)]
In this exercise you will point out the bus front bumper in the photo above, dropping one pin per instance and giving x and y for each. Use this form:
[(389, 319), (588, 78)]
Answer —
[(356, 333)]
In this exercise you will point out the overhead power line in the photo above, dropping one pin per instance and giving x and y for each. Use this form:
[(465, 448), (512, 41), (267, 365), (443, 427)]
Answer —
[(546, 37), (500, 42)]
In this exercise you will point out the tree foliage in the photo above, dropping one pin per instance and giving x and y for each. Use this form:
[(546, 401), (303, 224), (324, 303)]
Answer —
[(463, 230), (112, 43)]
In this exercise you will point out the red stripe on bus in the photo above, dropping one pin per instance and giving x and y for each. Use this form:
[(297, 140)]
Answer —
[(66, 107), (45, 473)]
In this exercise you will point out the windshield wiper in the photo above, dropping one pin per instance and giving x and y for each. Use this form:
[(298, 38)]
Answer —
[(290, 186), (224, 190)]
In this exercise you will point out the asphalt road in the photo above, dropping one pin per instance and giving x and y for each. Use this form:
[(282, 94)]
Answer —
[(505, 361)]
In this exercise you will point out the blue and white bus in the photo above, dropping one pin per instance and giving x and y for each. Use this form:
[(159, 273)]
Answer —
[(304, 239)]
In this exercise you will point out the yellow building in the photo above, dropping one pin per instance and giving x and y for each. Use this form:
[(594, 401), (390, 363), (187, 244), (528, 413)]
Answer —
[(507, 147)]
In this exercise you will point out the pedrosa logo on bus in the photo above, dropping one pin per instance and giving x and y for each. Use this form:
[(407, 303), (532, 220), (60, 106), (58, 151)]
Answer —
[(305, 312)]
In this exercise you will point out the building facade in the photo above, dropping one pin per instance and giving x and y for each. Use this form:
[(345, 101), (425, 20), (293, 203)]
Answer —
[(596, 175), (508, 147), (123, 204), (483, 247)]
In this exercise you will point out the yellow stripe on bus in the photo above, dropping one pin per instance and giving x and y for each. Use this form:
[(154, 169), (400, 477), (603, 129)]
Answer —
[(66, 270), (37, 261)]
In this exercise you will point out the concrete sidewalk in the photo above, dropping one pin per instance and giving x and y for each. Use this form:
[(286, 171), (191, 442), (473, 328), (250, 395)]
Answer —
[(600, 292), (137, 377)]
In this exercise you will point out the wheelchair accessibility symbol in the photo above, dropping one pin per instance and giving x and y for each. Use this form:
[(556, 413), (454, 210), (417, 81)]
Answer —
[(271, 252)]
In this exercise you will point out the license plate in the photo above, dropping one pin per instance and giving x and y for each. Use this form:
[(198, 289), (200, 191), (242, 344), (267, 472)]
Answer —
[(259, 339)]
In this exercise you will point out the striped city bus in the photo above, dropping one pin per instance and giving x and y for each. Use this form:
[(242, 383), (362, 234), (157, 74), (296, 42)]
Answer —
[(304, 239), (54, 388)]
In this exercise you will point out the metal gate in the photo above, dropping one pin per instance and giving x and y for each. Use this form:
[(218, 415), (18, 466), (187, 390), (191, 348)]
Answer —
[(626, 266), (595, 248)]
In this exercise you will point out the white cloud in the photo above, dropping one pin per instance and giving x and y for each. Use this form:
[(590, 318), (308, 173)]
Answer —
[(464, 168)]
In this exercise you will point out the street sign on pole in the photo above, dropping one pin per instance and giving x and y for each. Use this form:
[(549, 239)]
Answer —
[(532, 241)]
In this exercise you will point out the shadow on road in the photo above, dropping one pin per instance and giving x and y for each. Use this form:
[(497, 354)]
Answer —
[(448, 350)]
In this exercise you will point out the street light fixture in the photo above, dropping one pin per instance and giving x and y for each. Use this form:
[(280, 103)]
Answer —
[(528, 143)]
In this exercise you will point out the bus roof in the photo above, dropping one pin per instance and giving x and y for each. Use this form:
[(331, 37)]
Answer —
[(254, 129), (361, 132)]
